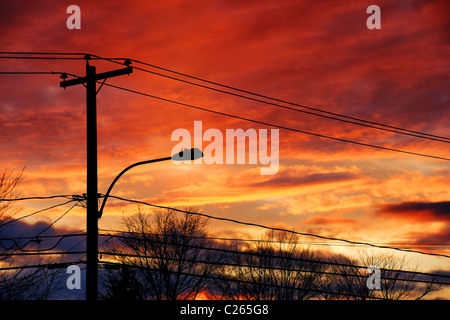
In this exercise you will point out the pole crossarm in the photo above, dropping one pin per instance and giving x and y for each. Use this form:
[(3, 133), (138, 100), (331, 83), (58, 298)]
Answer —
[(98, 76)]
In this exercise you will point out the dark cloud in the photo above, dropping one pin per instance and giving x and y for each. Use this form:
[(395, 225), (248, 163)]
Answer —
[(326, 221), (20, 232), (317, 178), (438, 238), (422, 211)]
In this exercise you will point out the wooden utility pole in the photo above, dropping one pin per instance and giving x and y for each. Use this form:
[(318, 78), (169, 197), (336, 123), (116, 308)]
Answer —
[(92, 213)]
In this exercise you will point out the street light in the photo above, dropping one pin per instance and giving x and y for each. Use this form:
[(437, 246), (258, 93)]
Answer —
[(186, 154), (92, 247)]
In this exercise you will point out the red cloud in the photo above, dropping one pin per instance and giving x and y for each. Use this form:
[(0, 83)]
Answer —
[(419, 211), (286, 180), (328, 221), (442, 237)]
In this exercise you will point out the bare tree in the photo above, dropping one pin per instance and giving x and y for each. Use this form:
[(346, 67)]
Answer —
[(8, 191), (398, 285), (274, 268), (30, 283), (167, 250), (397, 278), (345, 280), (18, 280), (121, 283)]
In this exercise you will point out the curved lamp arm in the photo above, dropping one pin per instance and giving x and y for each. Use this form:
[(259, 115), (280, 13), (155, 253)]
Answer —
[(184, 155), (100, 212)]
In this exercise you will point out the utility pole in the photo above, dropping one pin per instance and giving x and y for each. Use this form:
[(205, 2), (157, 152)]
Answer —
[(92, 214)]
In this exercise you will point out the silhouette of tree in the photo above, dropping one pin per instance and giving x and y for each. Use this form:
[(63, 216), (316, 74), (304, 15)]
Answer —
[(37, 283), (122, 284), (165, 248), (397, 285), (20, 283), (346, 281), (10, 284), (276, 268), (8, 190), (351, 282)]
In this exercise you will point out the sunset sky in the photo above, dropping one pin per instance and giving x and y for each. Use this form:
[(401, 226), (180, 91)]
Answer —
[(314, 53)]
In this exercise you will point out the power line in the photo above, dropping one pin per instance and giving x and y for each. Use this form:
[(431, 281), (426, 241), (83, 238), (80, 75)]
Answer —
[(77, 244), (92, 56), (34, 213), (56, 220), (34, 54), (29, 72), (278, 126), (45, 265), (36, 73), (52, 56), (281, 229), (262, 266), (48, 227), (332, 115), (423, 136), (283, 127), (43, 53), (266, 255), (273, 285), (291, 103), (66, 196), (43, 237), (42, 58), (36, 238), (362, 122), (39, 253), (276, 241), (255, 121)]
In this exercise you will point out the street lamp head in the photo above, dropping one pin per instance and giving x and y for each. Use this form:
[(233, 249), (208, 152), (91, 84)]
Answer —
[(188, 154)]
